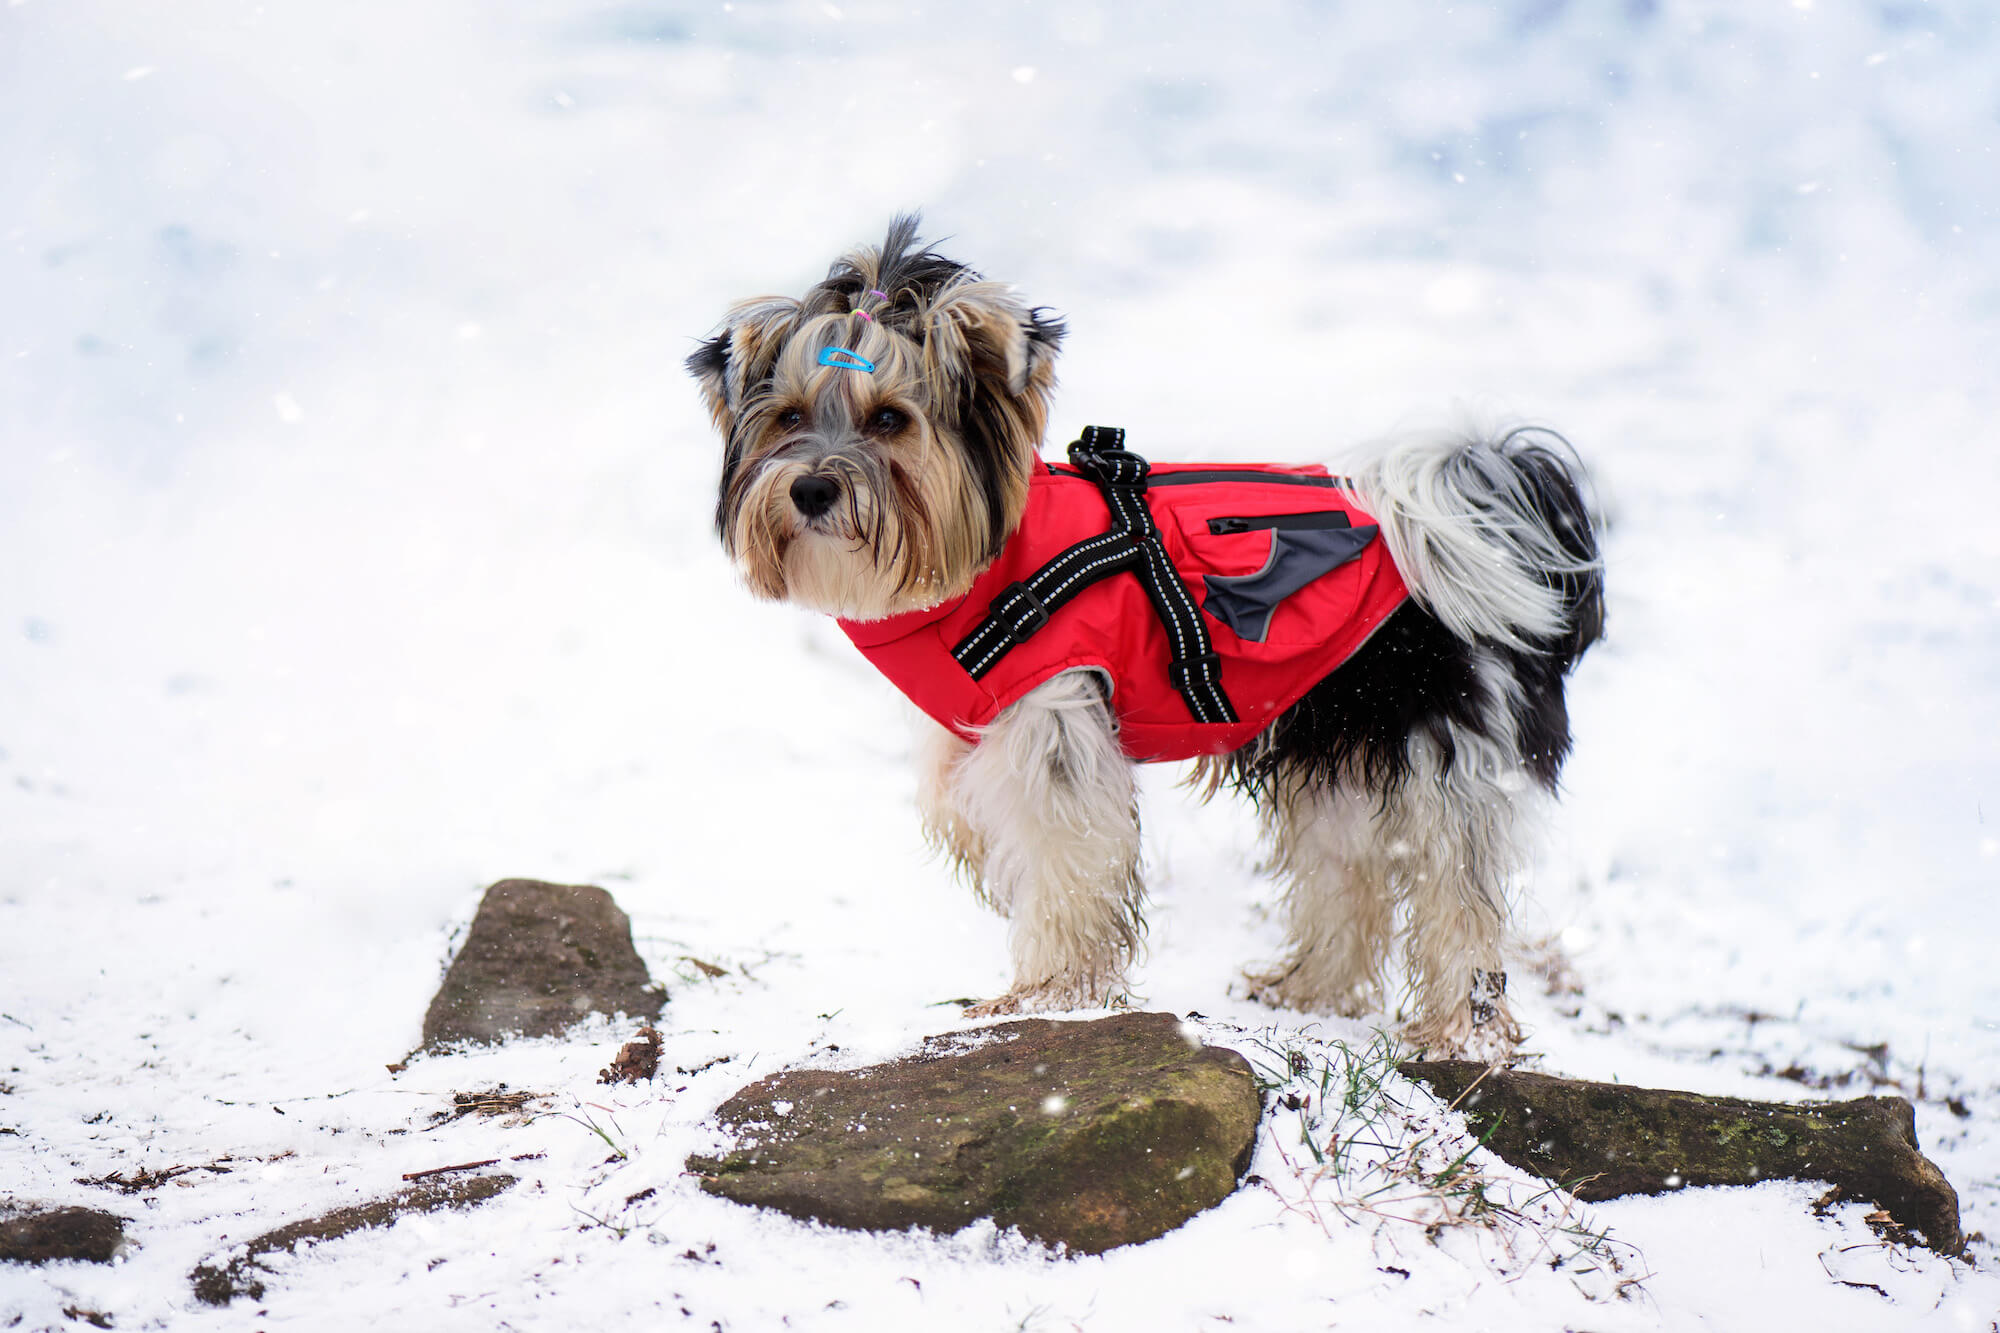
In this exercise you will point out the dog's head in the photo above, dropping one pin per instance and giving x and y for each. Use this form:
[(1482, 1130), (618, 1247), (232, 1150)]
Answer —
[(878, 433)]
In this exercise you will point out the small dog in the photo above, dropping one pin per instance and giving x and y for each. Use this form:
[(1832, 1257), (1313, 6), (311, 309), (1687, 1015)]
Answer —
[(1376, 659)]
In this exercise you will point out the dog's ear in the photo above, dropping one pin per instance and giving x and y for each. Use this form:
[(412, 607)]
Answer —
[(734, 362), (982, 329), (991, 361)]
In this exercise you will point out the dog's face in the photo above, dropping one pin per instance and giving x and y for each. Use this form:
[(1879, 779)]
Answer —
[(864, 493)]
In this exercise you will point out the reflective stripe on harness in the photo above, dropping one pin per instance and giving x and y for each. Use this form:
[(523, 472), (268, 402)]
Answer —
[(1132, 542)]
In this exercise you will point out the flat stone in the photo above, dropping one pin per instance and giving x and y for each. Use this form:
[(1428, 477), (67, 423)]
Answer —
[(243, 1273), (538, 959), (1083, 1134), (1605, 1140), (49, 1234)]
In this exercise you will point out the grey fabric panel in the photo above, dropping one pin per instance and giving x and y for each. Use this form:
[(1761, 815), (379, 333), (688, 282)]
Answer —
[(1245, 603)]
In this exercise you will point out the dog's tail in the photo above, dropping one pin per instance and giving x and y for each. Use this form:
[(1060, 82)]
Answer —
[(1493, 536)]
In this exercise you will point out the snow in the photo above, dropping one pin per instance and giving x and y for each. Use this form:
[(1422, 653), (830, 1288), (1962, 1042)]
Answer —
[(355, 537)]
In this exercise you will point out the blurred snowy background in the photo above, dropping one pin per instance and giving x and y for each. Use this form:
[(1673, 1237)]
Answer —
[(354, 506)]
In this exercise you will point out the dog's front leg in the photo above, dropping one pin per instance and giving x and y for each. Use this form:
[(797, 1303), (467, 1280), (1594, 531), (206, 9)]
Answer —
[(1047, 797), (940, 752)]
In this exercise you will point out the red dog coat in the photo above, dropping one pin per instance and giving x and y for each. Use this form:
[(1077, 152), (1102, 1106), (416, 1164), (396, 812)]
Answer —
[(1106, 571)]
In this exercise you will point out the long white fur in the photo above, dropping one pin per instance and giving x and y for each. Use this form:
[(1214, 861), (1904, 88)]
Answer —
[(1471, 555), (1041, 811)]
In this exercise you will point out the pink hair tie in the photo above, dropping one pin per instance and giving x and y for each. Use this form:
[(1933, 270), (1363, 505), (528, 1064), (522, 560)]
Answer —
[(864, 314)]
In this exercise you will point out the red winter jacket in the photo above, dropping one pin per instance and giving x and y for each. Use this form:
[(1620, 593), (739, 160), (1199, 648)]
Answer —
[(1290, 575)]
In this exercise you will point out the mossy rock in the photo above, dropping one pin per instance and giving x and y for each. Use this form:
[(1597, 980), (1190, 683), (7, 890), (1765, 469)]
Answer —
[(1088, 1135), (1605, 1140), (218, 1282), (539, 959)]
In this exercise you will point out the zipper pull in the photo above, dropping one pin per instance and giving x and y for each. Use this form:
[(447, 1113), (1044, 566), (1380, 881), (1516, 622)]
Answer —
[(1222, 527)]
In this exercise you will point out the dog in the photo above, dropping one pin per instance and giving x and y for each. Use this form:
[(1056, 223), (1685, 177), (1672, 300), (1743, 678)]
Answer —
[(1376, 659)]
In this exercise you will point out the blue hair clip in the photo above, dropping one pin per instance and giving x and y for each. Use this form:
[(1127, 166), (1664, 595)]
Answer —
[(843, 359)]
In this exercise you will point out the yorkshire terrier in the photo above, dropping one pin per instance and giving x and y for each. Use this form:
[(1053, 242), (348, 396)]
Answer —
[(1376, 657)]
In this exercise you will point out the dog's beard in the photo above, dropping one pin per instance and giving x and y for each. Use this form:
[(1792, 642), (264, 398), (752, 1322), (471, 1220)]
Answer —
[(895, 540)]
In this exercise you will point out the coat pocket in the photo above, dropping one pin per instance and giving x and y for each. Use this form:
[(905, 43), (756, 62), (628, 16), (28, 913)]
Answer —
[(1264, 576), (1299, 556), (1229, 524)]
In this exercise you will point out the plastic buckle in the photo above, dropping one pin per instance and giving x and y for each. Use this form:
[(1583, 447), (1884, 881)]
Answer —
[(1210, 662), (1005, 607), (1100, 454)]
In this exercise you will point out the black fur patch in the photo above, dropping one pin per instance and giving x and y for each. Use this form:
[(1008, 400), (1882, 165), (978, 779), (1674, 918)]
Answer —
[(725, 497), (709, 364), (1411, 676), (983, 427), (1552, 491), (909, 274), (711, 359), (1045, 330), (1541, 714)]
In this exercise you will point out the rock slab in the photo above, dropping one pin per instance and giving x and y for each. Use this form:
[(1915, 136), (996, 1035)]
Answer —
[(1604, 1140), (538, 959), (218, 1283), (61, 1233), (1085, 1134)]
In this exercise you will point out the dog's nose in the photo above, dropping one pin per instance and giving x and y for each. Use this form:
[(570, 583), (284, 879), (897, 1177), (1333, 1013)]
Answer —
[(815, 495)]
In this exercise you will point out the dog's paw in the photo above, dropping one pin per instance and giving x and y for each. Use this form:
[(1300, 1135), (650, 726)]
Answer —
[(1490, 1045), (1268, 988), (1286, 988), (998, 1006), (1051, 997), (1482, 1029)]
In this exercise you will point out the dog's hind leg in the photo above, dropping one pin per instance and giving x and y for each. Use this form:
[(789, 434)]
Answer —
[(1049, 796), (1455, 828), (1339, 907)]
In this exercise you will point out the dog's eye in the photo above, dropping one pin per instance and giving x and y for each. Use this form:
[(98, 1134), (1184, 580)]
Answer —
[(790, 418), (886, 421)]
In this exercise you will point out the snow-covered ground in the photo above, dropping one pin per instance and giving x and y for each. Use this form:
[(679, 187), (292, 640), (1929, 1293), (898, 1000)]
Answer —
[(354, 514)]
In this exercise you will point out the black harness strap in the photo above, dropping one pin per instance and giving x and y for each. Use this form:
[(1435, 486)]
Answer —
[(1132, 542)]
